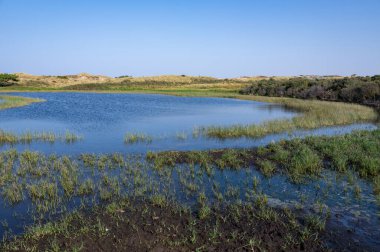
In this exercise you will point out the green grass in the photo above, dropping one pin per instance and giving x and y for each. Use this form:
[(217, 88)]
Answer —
[(299, 159), (28, 137), (115, 181), (7, 101), (132, 138), (312, 114)]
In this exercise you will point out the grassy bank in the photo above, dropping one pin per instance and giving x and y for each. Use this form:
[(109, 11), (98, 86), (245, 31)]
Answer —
[(7, 101), (313, 114)]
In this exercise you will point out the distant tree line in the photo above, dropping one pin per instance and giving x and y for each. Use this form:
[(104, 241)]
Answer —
[(7, 79), (355, 89)]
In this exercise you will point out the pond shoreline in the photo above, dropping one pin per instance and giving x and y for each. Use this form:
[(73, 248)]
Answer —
[(188, 200)]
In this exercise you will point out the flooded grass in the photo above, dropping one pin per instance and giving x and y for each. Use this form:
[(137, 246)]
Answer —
[(299, 159), (179, 200), (29, 137), (132, 138)]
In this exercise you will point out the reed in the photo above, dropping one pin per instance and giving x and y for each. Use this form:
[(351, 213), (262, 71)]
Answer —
[(133, 138)]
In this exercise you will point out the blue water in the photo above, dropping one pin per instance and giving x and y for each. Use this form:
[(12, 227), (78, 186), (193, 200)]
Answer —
[(104, 119)]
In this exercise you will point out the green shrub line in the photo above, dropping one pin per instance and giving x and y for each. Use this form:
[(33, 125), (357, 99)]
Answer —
[(355, 89)]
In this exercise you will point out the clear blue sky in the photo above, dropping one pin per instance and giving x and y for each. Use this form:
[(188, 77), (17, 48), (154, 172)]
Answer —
[(195, 37)]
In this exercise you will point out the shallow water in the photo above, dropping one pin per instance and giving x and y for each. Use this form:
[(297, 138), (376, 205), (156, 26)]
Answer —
[(104, 119)]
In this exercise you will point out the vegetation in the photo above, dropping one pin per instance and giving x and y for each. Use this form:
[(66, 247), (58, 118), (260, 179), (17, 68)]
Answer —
[(313, 114), (7, 79), (141, 226), (131, 138), (28, 137), (356, 89), (7, 101), (299, 159), (175, 200), (195, 200)]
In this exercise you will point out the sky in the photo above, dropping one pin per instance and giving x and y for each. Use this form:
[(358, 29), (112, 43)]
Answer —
[(220, 38)]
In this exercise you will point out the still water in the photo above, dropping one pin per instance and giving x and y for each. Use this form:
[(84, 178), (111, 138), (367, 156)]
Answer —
[(104, 119)]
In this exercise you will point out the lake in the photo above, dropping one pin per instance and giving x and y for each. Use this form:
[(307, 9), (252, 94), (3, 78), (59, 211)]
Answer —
[(104, 119)]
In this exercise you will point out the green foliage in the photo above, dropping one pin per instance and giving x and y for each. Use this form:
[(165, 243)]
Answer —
[(356, 89), (7, 79)]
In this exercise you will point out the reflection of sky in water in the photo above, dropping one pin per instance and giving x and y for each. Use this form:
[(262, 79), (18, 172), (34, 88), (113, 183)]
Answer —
[(104, 119)]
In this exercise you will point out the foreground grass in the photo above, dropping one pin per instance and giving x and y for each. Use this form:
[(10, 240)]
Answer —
[(299, 159), (7, 101), (175, 201), (126, 203), (161, 225)]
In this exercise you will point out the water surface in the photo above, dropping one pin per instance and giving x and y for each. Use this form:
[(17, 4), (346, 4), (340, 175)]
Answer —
[(104, 119)]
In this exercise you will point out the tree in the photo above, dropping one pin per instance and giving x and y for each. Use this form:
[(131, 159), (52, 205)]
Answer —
[(7, 79)]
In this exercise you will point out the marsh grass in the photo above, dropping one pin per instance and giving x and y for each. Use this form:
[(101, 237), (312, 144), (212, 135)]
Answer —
[(299, 159), (29, 137), (133, 138), (7, 101), (138, 191), (312, 114), (131, 191)]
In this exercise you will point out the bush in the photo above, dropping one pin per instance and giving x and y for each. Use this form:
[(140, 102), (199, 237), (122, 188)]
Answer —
[(362, 90), (7, 79)]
